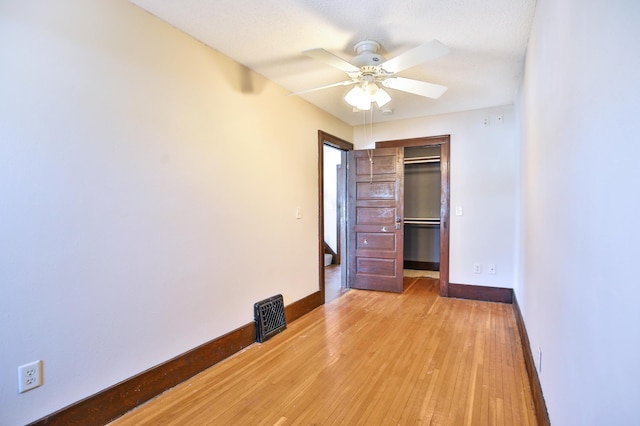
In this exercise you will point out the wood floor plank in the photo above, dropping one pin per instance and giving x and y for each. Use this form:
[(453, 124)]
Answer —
[(366, 358)]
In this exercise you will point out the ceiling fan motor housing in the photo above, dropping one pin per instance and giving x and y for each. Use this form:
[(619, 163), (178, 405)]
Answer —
[(367, 54)]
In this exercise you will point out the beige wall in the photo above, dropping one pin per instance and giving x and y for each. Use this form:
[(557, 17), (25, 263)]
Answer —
[(148, 192)]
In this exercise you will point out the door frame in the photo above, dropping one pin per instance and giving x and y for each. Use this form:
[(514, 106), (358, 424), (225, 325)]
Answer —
[(445, 150), (335, 142)]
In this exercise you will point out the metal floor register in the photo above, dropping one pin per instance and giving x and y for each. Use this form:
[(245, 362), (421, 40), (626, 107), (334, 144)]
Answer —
[(269, 317)]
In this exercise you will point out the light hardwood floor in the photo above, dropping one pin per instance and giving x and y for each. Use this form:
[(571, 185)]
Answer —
[(367, 358), (333, 283)]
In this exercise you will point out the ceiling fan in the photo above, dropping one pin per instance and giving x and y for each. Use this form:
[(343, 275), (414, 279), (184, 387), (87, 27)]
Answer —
[(368, 70)]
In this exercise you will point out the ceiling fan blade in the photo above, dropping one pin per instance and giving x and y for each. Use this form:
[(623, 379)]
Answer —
[(416, 56), (331, 59), (341, 83), (416, 87)]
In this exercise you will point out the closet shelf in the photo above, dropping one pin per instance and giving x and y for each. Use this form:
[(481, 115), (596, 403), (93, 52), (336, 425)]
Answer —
[(422, 160), (422, 221)]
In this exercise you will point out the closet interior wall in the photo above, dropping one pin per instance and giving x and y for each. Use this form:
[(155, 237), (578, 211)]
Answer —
[(422, 208)]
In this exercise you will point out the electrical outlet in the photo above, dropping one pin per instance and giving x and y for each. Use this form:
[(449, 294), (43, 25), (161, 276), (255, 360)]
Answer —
[(491, 268), (477, 268), (485, 121), (29, 376)]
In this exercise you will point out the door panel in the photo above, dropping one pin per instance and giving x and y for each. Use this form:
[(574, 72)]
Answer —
[(376, 190), (373, 241), (376, 232), (373, 266), (375, 216), (383, 165)]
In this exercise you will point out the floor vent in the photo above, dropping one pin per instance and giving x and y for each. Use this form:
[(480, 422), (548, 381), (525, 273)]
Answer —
[(269, 315)]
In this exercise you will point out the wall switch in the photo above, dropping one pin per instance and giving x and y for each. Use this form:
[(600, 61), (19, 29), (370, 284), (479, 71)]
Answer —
[(491, 268), (298, 213), (477, 268), (458, 210), (499, 119), (29, 376)]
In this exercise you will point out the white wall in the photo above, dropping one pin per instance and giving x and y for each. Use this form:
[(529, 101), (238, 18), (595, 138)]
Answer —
[(483, 181), (580, 135), (331, 159), (140, 173)]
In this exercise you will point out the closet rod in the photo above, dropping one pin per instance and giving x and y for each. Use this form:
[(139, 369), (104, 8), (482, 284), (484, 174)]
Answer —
[(422, 220), (421, 160)]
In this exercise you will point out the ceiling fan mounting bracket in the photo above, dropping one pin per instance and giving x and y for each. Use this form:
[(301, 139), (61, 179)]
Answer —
[(366, 46)]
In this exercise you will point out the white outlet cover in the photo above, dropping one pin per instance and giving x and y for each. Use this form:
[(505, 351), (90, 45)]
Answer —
[(29, 376)]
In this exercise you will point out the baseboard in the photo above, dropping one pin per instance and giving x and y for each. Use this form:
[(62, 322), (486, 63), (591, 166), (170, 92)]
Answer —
[(421, 266), (302, 307), (536, 389), (479, 292), (113, 402)]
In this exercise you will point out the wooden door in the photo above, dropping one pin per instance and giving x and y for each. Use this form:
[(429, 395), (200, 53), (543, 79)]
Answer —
[(375, 219)]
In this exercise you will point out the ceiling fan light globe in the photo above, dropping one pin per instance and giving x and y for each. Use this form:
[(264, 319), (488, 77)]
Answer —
[(354, 96), (364, 104), (382, 98), (372, 89)]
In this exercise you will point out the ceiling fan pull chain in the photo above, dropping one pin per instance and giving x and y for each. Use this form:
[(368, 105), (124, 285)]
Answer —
[(370, 151)]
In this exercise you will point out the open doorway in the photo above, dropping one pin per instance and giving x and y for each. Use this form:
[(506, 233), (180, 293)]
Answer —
[(334, 188), (332, 225), (422, 185)]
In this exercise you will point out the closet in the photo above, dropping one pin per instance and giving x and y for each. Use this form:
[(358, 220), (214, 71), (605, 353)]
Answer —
[(422, 208)]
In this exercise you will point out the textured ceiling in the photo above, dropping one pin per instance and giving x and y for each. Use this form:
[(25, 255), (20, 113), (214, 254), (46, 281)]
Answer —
[(487, 39)]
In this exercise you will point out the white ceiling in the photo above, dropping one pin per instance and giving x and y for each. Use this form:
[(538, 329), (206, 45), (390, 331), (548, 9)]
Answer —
[(487, 39)]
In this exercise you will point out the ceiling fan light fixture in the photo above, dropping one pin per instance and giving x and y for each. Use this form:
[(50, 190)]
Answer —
[(361, 97)]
